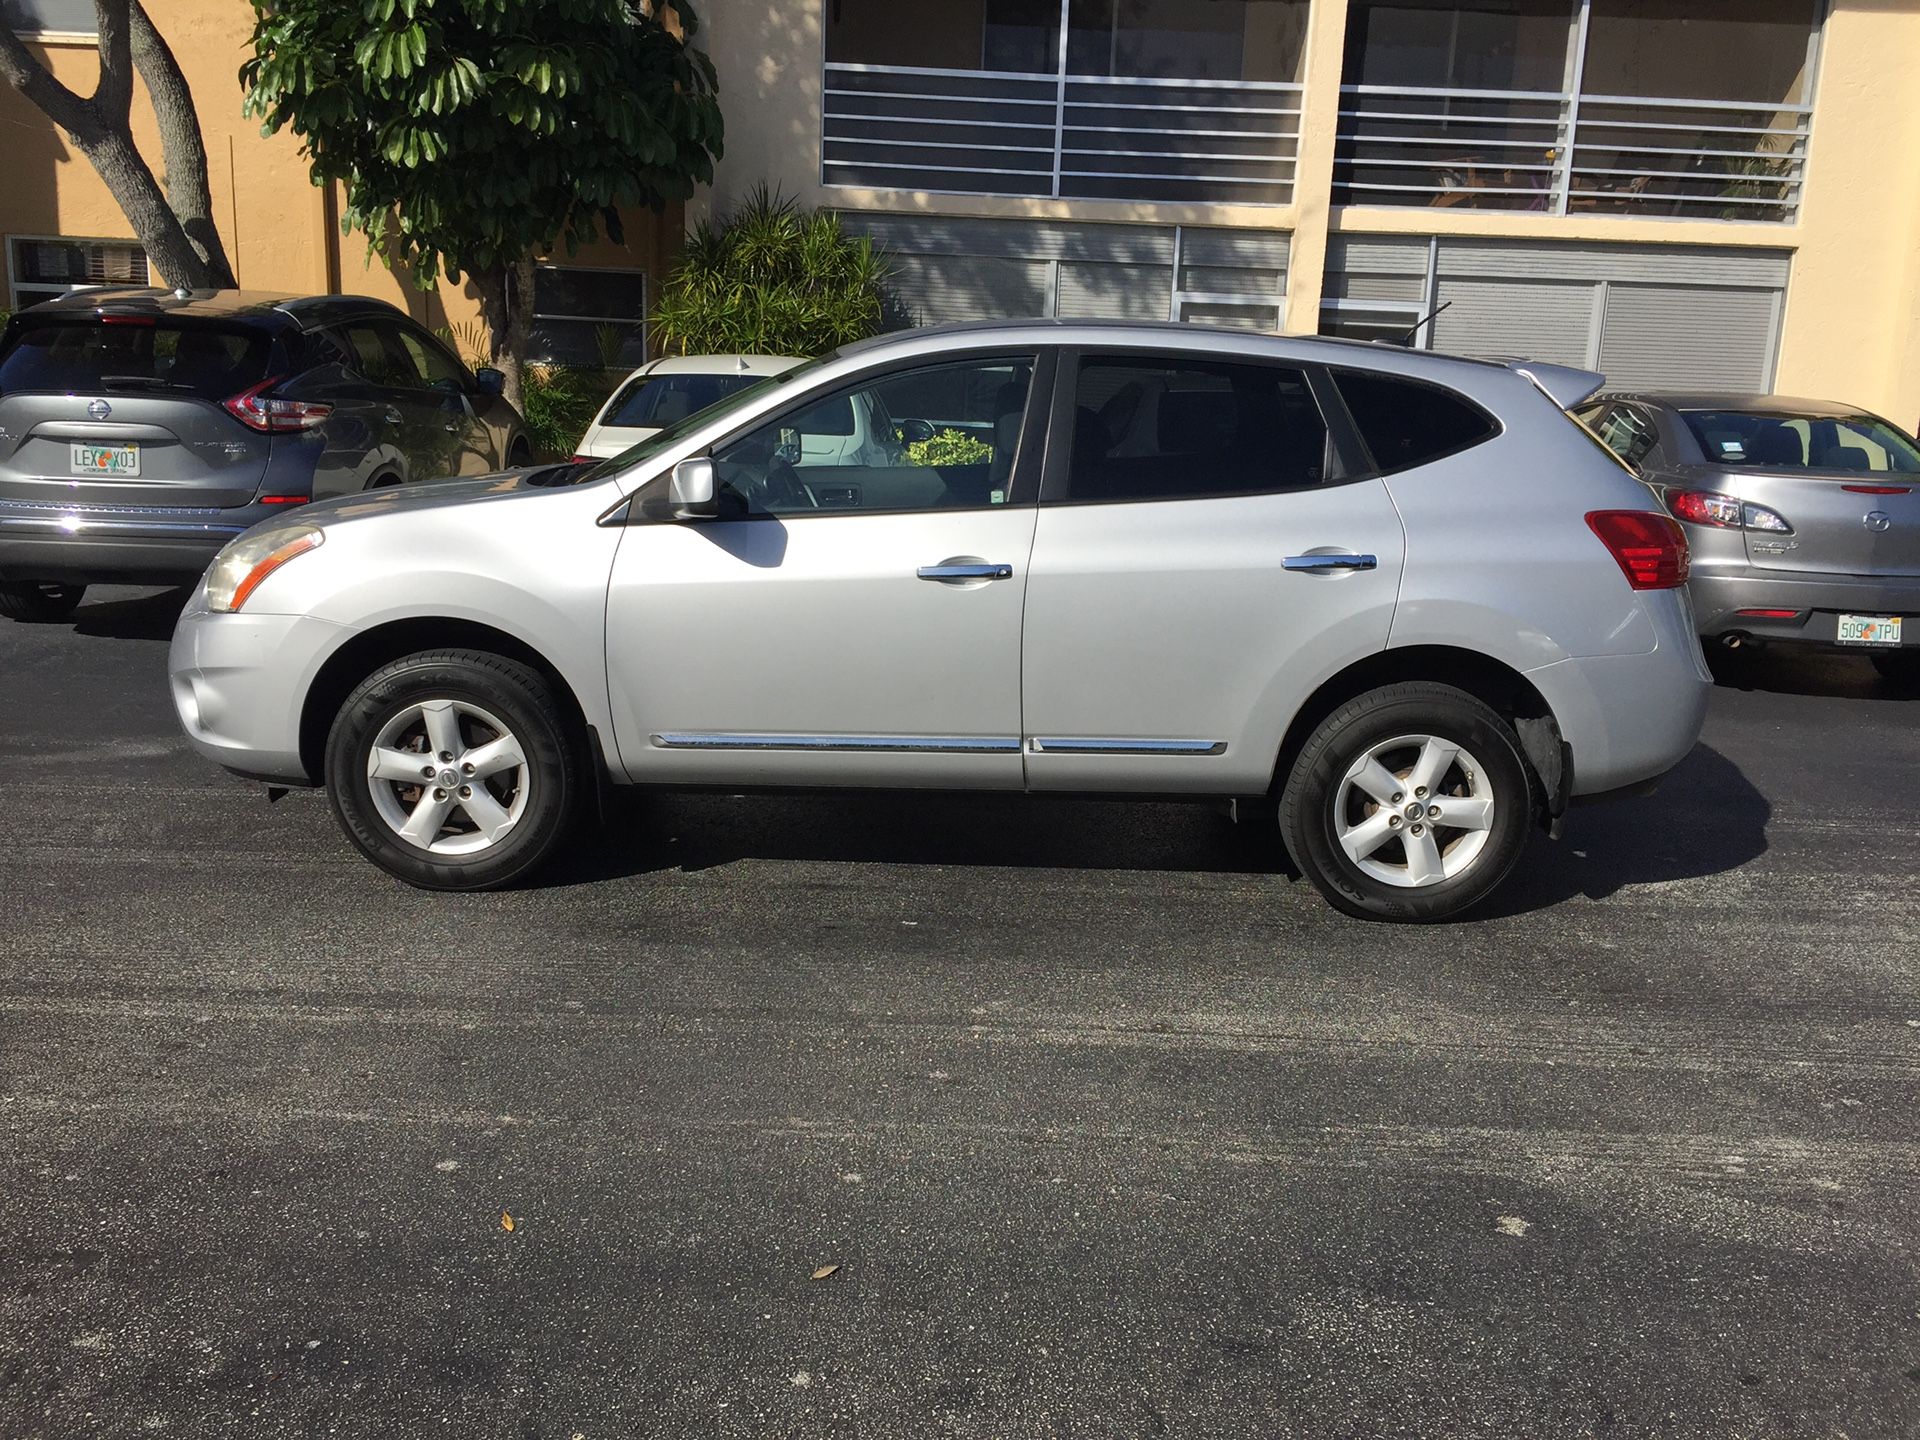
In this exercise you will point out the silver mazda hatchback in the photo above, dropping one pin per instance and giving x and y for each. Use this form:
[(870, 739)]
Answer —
[(1405, 597), (1803, 516)]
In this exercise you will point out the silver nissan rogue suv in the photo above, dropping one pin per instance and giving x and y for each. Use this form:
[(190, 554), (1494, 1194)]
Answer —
[(1405, 596)]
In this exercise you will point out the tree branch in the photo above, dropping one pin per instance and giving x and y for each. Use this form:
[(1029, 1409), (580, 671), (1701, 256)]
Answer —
[(113, 96), (183, 150), (32, 79)]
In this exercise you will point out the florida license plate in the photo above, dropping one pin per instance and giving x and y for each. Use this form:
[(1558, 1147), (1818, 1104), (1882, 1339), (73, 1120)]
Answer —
[(115, 461), (1870, 629)]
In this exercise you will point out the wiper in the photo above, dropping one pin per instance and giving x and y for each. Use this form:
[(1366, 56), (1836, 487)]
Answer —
[(141, 382)]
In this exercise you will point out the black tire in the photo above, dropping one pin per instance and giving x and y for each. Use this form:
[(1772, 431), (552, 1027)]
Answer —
[(39, 602), (1899, 668), (519, 455), (1317, 801), (481, 689)]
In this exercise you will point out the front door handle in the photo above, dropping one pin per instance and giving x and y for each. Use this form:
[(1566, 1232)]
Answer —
[(965, 572), (451, 428), (1321, 563), (390, 415)]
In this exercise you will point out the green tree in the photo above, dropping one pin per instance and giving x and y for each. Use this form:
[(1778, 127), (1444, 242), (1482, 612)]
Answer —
[(472, 135), (770, 279)]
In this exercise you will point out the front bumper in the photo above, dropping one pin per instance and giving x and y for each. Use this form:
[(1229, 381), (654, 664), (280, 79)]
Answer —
[(124, 545), (238, 684)]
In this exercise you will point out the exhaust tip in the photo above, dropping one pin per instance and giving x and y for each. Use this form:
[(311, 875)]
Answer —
[(1736, 640)]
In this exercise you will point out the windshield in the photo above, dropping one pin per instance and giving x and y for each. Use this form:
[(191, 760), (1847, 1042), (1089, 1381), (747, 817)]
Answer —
[(656, 400), (119, 353), (679, 429), (1803, 442)]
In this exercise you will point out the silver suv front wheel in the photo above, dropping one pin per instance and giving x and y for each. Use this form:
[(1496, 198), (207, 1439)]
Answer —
[(1410, 802), (453, 769)]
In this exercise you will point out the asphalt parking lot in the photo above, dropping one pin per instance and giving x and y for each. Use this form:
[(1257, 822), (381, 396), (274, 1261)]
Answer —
[(1110, 1127)]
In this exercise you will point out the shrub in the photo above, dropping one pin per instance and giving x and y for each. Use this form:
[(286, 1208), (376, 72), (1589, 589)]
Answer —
[(949, 447), (771, 279), (559, 402)]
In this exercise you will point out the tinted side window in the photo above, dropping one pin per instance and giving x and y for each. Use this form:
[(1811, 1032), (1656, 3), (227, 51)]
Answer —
[(439, 369), (1405, 423), (376, 360), (1167, 429), (1627, 435)]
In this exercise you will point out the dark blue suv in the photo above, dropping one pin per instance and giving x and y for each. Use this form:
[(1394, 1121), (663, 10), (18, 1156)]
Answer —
[(140, 430)]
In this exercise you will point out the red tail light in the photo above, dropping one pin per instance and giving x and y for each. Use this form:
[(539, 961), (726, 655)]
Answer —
[(257, 411), (1651, 549), (285, 499), (1878, 489), (108, 319)]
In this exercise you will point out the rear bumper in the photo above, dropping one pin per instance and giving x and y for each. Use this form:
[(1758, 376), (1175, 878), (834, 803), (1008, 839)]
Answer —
[(238, 684), (41, 541), (1629, 719), (1817, 600)]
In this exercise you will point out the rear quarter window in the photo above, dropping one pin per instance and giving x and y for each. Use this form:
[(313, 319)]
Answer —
[(1406, 422), (212, 362)]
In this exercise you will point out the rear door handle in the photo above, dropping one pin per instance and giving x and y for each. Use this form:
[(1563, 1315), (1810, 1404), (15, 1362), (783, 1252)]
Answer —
[(390, 415), (1312, 563), (965, 572)]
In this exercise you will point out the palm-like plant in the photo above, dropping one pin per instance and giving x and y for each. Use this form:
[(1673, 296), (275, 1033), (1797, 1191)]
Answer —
[(770, 279)]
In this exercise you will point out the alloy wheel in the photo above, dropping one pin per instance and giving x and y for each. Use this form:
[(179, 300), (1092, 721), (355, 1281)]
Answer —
[(448, 777), (1414, 811)]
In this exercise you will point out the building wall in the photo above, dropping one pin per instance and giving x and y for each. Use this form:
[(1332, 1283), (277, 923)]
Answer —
[(277, 226), (1849, 328)]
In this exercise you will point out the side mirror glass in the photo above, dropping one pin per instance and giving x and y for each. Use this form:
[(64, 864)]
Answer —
[(489, 381), (693, 490)]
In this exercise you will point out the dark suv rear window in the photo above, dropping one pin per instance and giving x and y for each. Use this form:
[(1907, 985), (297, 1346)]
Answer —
[(1405, 423), (157, 357)]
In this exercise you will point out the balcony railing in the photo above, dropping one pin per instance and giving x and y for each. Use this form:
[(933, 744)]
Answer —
[(1570, 153), (1094, 137)]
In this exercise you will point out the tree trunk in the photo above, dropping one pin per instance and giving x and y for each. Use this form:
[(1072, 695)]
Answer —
[(101, 129), (183, 150), (506, 305)]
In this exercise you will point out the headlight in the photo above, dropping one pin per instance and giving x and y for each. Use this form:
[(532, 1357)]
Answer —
[(239, 569)]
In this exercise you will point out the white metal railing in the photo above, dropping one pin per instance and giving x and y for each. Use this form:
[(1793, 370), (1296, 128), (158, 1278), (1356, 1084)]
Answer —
[(1098, 137), (1569, 152)]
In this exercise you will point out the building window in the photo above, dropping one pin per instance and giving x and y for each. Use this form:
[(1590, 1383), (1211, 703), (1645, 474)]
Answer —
[(41, 268), (1157, 100), (1651, 108), (49, 17), (588, 316)]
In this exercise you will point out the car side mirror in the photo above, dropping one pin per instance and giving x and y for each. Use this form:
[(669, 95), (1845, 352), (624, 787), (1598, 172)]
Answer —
[(489, 381), (693, 490)]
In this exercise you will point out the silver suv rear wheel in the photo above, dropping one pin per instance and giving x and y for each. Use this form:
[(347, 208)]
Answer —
[(1410, 802)]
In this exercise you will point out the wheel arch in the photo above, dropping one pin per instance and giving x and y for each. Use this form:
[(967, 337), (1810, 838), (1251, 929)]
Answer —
[(368, 650), (1493, 682)]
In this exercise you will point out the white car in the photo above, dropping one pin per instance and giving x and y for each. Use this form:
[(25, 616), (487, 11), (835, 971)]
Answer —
[(663, 392)]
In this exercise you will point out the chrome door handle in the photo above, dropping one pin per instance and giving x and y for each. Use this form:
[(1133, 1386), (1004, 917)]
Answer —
[(1312, 563), (390, 415), (965, 572), (451, 428)]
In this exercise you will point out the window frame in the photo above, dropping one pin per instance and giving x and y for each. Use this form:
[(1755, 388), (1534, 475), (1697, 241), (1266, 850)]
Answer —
[(1340, 461), (49, 290), (649, 506), (642, 324), (1373, 469)]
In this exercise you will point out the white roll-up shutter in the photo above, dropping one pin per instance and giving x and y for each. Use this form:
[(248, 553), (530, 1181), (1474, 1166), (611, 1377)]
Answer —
[(1697, 337)]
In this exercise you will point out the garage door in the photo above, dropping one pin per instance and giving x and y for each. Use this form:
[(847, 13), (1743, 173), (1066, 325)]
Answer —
[(954, 268), (1647, 316)]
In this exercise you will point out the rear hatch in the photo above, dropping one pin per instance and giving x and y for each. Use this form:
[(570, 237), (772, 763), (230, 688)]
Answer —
[(125, 410), (1849, 486)]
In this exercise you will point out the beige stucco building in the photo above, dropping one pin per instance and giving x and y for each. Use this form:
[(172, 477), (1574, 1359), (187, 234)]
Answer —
[(1675, 191)]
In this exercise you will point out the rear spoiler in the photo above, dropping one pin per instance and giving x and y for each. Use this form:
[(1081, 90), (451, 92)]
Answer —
[(1562, 384)]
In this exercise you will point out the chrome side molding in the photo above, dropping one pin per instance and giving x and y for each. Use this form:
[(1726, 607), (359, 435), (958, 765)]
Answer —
[(1127, 747), (908, 744)]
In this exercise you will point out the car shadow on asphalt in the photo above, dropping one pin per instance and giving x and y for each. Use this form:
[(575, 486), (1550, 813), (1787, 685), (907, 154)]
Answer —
[(1706, 819), (1790, 671), (646, 832), (127, 614)]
